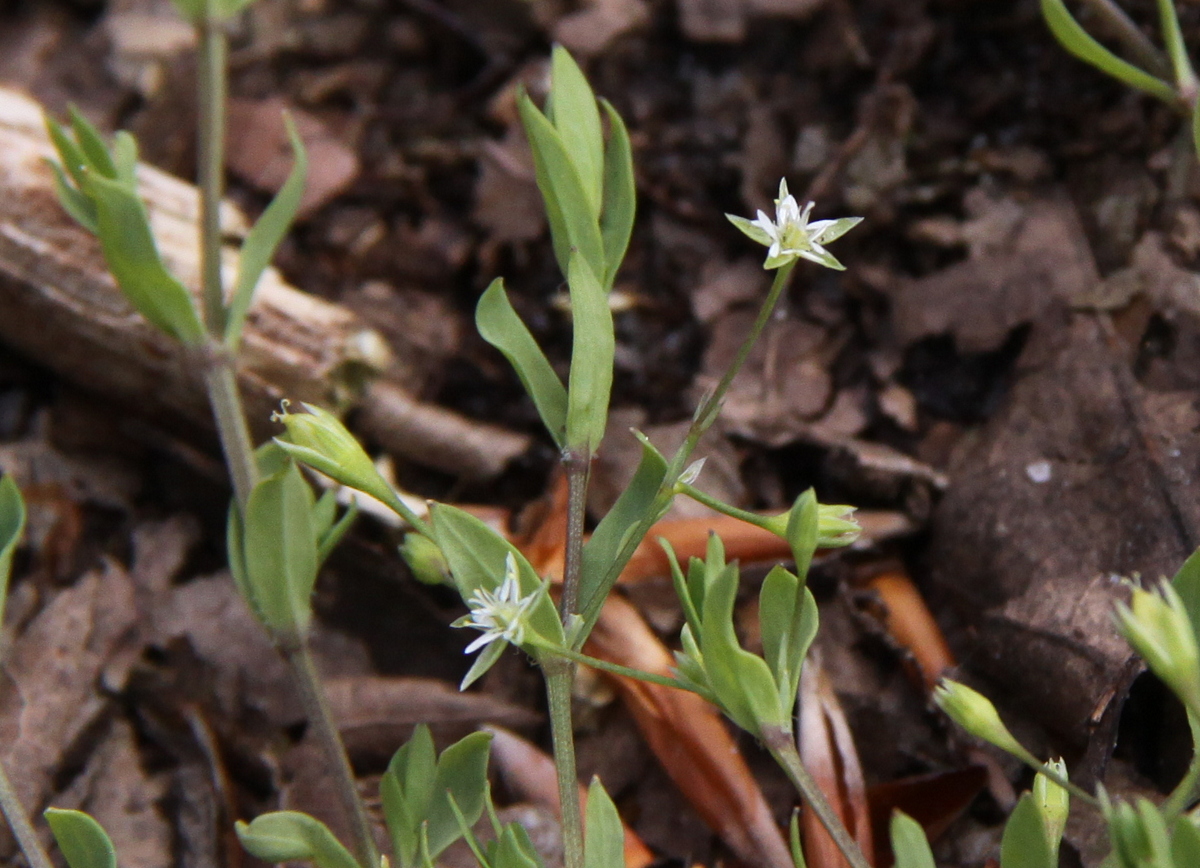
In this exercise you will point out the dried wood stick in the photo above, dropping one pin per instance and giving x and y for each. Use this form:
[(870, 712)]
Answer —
[(60, 307)]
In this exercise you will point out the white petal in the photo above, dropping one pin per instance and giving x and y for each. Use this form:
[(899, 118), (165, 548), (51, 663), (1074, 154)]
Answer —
[(485, 639)]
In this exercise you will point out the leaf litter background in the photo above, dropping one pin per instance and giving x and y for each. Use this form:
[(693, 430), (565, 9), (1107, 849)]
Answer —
[(1005, 376)]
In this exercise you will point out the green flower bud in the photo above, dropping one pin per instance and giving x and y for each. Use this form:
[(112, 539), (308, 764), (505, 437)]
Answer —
[(975, 713), (836, 527), (425, 560), (319, 439), (1053, 803), (1158, 628)]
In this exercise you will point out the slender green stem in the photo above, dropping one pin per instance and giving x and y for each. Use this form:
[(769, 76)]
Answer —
[(720, 506), (220, 379), (1122, 28), (615, 668), (211, 86), (576, 464), (559, 674), (308, 684), (1181, 64), (707, 412), (18, 821), (703, 418), (779, 743)]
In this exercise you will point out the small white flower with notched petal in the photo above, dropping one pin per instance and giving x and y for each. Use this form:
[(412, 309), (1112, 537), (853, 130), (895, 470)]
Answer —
[(790, 236), (500, 614)]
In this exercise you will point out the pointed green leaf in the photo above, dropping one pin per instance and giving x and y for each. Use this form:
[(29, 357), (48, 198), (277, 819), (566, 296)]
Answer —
[(794, 841), (477, 557), (280, 550), (79, 206), (620, 195), (1078, 42), (285, 836), (461, 776), (1026, 843), (12, 525), (92, 144), (592, 352), (909, 843), (264, 238), (741, 681), (835, 229), (751, 229), (788, 620), (616, 537), (513, 849), (604, 836), (132, 256), (406, 791), (572, 109), (572, 223), (500, 326), (1187, 584), (83, 841), (73, 159)]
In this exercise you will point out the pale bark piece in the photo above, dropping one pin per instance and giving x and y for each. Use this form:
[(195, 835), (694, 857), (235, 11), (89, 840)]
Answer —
[(63, 309), (51, 700)]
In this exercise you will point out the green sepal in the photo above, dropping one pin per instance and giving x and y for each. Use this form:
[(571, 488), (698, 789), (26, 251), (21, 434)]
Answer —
[(592, 352), (263, 239), (1026, 841), (83, 841), (604, 836), (620, 195), (803, 530), (616, 537), (571, 107), (499, 325), (572, 224), (12, 526), (1078, 42), (287, 836), (909, 842)]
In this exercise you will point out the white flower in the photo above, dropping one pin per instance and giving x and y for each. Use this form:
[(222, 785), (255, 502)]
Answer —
[(500, 614), (790, 235)]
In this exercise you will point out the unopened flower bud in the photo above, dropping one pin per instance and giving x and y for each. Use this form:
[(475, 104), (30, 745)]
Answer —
[(1157, 626), (425, 560), (975, 713), (319, 439), (1053, 802)]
